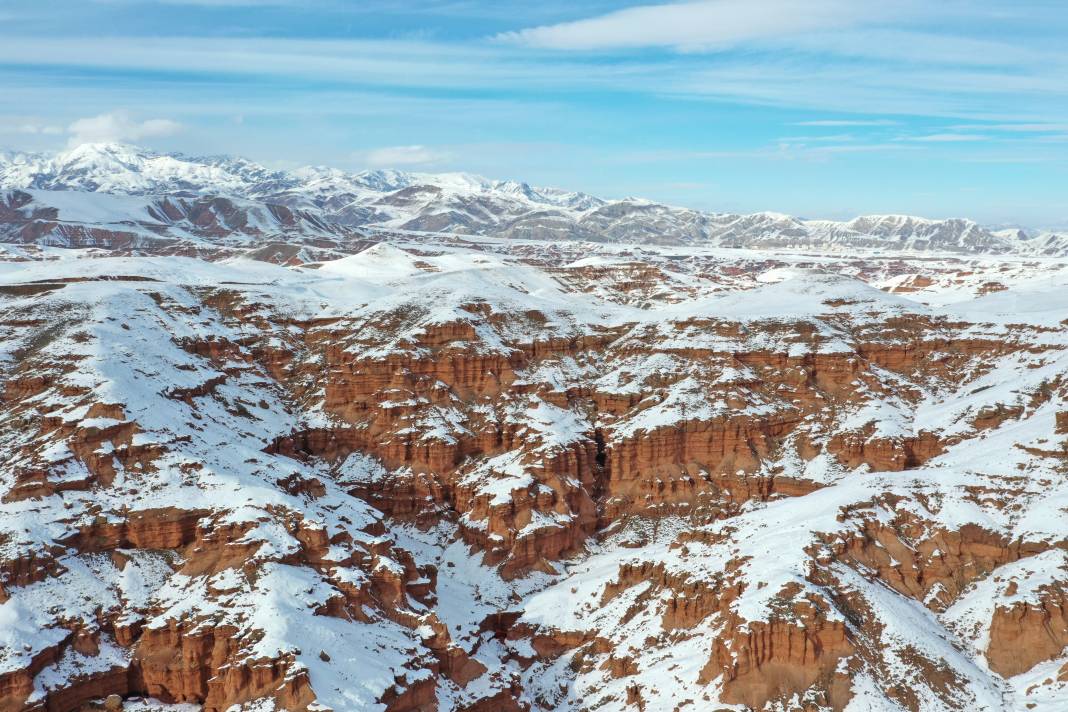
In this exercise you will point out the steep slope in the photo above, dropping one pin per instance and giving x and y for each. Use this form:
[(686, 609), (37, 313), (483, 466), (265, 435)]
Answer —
[(118, 221), (514, 475)]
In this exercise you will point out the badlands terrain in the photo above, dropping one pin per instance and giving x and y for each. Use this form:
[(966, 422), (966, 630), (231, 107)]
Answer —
[(312, 440)]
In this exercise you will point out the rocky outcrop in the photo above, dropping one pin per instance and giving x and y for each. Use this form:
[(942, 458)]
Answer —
[(778, 659), (1027, 633), (934, 567)]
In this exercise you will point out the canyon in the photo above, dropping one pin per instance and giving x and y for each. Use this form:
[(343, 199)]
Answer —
[(396, 466)]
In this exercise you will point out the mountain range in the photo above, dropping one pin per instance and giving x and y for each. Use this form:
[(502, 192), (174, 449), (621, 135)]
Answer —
[(110, 195)]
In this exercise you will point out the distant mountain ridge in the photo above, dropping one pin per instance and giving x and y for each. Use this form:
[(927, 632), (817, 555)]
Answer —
[(317, 202)]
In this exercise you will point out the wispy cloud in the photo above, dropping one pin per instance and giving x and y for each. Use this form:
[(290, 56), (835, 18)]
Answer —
[(1029, 94), (29, 126), (829, 138), (701, 24), (782, 150), (1014, 128), (847, 122), (402, 156), (925, 47), (208, 3), (824, 152), (949, 138), (394, 63)]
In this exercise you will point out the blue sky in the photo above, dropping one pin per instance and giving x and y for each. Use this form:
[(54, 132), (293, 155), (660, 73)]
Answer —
[(820, 108)]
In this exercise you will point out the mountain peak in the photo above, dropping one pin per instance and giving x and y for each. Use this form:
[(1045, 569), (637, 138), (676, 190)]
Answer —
[(101, 151)]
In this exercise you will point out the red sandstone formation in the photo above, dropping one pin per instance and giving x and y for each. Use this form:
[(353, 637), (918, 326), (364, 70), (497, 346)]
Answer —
[(422, 496)]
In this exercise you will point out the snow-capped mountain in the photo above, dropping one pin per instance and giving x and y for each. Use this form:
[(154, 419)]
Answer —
[(332, 202)]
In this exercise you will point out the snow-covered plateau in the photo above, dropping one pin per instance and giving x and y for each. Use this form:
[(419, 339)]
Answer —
[(312, 440)]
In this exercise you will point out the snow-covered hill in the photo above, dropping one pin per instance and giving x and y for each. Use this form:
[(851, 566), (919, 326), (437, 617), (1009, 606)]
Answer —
[(329, 202)]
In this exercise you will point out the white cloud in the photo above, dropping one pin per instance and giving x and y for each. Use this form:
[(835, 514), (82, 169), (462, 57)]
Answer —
[(395, 156), (28, 126), (118, 126), (703, 23)]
